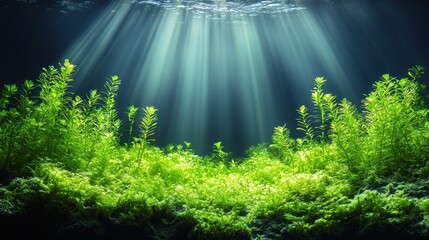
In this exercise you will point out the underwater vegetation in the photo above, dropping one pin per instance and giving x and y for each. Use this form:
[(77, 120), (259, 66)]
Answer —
[(356, 172)]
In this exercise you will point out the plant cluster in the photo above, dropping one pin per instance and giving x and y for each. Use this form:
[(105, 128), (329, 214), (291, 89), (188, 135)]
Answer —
[(352, 173)]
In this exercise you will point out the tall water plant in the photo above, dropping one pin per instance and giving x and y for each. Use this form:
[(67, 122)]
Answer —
[(395, 121), (147, 130)]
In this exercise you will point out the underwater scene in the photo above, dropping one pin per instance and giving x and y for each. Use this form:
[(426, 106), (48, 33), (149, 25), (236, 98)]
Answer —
[(214, 119)]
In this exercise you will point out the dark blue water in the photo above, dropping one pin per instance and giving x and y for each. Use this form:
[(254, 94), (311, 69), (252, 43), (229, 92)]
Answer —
[(229, 77)]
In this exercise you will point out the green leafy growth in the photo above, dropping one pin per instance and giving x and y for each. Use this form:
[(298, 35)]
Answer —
[(14, 122), (109, 122), (132, 112), (304, 123), (90, 125), (318, 98), (35, 129), (53, 86), (331, 106), (367, 172), (7, 93), (395, 123), (188, 146), (348, 134), (316, 126), (92, 100), (147, 130), (282, 145), (416, 72), (219, 154)]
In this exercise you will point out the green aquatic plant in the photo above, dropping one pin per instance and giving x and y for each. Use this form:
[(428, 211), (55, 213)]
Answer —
[(110, 122), (395, 118), (305, 123), (316, 125), (416, 72), (34, 128), (148, 124), (89, 125), (188, 145), (353, 173), (318, 98), (147, 130), (132, 112), (7, 93), (53, 85), (219, 155), (282, 144), (348, 134)]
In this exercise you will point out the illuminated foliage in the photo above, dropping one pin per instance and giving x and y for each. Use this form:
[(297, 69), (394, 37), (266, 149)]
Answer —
[(353, 172)]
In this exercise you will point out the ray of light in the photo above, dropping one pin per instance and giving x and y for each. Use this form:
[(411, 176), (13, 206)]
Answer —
[(96, 42), (215, 75)]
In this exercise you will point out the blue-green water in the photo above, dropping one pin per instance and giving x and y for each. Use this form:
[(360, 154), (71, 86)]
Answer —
[(225, 71)]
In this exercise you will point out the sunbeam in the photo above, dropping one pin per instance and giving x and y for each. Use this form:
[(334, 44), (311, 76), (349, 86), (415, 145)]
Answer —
[(202, 72), (224, 70), (214, 119)]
